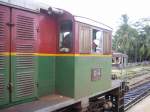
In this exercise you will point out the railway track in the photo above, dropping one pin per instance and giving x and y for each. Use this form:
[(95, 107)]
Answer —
[(136, 94), (139, 88), (138, 82)]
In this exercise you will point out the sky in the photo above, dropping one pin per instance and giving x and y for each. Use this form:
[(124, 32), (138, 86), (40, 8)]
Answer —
[(106, 11)]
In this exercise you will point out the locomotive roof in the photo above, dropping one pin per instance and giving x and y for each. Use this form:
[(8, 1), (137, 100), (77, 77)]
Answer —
[(92, 22), (118, 54), (36, 6)]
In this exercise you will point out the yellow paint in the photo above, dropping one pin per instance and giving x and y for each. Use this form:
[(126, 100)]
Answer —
[(44, 54), (4, 53)]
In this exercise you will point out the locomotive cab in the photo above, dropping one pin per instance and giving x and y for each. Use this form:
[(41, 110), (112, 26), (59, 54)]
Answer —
[(83, 44)]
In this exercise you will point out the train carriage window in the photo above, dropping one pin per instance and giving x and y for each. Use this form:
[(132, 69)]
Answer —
[(97, 45), (65, 37)]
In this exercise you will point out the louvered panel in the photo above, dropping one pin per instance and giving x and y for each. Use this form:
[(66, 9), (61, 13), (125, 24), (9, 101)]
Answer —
[(2, 47), (2, 24), (25, 85), (23, 58), (25, 48), (25, 27), (4, 59), (2, 86), (25, 71), (25, 62), (2, 32), (2, 62)]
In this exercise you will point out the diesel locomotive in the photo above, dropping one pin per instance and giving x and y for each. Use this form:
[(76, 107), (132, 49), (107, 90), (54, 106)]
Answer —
[(51, 60)]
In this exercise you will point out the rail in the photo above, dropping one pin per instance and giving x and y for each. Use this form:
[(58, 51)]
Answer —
[(135, 95)]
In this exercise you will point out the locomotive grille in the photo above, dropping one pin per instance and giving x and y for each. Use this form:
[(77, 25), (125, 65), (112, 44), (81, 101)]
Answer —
[(25, 62), (2, 58), (2, 86), (25, 27), (25, 84), (2, 62), (2, 25), (25, 59), (2, 48), (25, 48), (2, 81)]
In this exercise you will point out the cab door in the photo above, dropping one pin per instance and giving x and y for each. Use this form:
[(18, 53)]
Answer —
[(4, 54)]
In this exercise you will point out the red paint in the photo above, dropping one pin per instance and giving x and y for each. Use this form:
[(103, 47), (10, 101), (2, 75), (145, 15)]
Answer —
[(5, 40), (46, 38), (47, 34), (76, 38), (46, 31), (17, 41)]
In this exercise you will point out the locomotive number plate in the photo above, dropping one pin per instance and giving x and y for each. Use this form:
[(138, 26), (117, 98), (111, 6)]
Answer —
[(95, 74)]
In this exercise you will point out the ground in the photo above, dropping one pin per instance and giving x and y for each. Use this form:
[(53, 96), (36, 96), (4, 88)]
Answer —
[(142, 106)]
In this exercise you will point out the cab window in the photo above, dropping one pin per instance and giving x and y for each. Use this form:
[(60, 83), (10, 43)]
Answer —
[(65, 37), (97, 43)]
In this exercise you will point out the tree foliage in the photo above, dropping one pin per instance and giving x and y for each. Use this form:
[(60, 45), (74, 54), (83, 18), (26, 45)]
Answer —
[(133, 40)]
